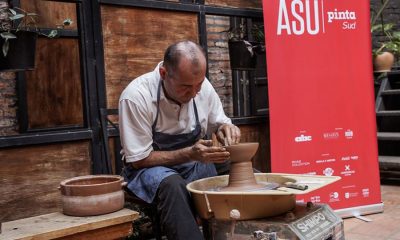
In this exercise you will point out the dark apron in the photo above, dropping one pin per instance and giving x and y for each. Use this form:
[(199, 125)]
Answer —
[(144, 182)]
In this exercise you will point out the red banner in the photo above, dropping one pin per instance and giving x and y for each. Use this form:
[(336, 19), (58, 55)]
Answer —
[(321, 97)]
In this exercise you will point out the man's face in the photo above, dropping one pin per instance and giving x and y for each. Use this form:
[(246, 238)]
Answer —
[(185, 82)]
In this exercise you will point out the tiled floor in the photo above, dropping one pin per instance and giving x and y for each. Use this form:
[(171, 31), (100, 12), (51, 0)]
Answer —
[(384, 225)]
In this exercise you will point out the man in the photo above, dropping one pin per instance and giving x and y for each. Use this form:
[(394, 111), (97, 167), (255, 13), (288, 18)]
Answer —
[(163, 117)]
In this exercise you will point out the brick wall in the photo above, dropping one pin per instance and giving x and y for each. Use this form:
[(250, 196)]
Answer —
[(8, 104), (220, 74)]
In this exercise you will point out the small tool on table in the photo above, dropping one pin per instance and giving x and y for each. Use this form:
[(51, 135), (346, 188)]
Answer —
[(296, 186)]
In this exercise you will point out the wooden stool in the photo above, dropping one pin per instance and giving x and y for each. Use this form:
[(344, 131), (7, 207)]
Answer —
[(154, 217), (59, 226)]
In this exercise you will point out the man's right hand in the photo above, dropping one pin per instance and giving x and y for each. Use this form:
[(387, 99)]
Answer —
[(204, 151)]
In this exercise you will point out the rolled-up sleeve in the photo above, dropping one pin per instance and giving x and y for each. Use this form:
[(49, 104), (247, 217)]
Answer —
[(135, 129)]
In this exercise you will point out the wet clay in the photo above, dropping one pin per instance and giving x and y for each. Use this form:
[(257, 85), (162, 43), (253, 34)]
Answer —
[(241, 176)]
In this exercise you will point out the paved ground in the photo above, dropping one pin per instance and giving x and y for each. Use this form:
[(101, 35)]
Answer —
[(384, 225)]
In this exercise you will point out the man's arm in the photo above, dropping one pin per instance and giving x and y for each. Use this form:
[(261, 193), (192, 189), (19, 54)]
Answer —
[(202, 151)]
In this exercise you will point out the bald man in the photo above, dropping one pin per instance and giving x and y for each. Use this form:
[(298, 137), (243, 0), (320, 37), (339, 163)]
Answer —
[(164, 117)]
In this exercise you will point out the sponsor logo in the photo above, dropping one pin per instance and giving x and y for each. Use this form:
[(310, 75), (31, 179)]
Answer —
[(348, 158), (348, 134), (328, 171), (311, 222), (365, 192), (334, 197), (304, 17), (330, 160), (315, 199), (355, 157), (298, 17), (311, 173), (299, 163), (347, 171), (341, 15), (349, 186), (348, 195), (331, 135), (303, 138)]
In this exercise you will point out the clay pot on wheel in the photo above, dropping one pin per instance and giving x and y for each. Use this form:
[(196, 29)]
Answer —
[(383, 62), (241, 176), (92, 195)]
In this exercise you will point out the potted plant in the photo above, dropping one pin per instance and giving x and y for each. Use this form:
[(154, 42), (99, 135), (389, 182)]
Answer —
[(18, 32), (242, 52), (389, 48)]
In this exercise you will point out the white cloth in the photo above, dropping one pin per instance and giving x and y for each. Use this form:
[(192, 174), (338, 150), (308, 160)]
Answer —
[(138, 109)]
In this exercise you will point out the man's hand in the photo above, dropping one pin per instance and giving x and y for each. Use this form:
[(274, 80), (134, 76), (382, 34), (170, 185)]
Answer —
[(204, 151), (228, 134)]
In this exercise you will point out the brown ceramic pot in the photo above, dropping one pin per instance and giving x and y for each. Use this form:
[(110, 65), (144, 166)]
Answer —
[(92, 195), (241, 176), (383, 62)]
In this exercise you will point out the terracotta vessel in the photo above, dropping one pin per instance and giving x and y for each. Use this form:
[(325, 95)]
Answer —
[(92, 195), (241, 176), (383, 62)]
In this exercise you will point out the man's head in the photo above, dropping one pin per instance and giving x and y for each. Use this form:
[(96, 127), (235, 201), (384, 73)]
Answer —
[(183, 71)]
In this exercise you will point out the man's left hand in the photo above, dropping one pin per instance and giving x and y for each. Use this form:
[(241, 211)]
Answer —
[(228, 134)]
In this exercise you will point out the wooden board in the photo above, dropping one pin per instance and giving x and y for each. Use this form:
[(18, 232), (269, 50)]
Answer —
[(54, 91), (236, 3), (135, 40), (58, 225), (50, 13), (30, 177), (112, 232)]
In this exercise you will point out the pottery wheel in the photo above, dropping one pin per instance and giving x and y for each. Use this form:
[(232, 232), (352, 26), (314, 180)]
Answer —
[(260, 186), (241, 176)]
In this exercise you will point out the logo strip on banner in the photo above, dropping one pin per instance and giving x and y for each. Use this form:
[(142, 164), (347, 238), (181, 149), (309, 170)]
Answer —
[(321, 98)]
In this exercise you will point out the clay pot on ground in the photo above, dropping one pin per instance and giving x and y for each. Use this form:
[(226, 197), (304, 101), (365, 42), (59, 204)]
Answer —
[(383, 62), (92, 195)]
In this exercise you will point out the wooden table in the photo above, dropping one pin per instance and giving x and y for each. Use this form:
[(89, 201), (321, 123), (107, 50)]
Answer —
[(59, 226)]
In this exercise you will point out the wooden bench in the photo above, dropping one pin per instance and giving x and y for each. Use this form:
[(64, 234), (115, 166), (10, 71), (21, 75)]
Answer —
[(59, 226)]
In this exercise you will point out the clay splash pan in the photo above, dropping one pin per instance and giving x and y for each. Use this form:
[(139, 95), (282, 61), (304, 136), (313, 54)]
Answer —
[(252, 204)]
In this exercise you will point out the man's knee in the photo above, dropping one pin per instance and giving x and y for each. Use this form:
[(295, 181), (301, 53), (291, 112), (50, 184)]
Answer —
[(173, 184)]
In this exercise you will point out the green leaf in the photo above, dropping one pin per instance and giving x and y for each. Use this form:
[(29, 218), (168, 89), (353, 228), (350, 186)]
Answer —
[(17, 16), (376, 27), (13, 12), (67, 22), (396, 35), (388, 27), (52, 34), (7, 35), (5, 47)]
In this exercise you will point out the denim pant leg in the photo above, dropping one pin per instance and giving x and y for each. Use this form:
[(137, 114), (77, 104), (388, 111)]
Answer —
[(175, 207)]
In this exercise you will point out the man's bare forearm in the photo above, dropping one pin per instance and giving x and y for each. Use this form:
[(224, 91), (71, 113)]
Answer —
[(165, 158)]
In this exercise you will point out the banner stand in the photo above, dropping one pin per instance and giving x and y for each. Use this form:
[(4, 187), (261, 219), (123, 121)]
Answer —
[(321, 99), (361, 210)]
